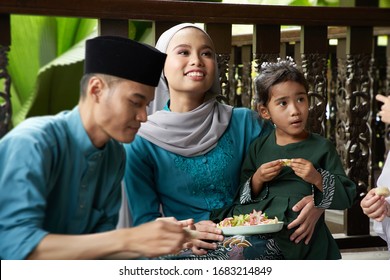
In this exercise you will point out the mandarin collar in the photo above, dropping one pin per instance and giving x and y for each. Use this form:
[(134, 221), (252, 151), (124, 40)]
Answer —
[(80, 137)]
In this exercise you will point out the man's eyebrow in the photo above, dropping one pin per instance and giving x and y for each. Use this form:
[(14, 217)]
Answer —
[(139, 95)]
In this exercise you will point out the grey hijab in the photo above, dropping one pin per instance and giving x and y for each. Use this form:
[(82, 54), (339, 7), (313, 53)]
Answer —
[(191, 133)]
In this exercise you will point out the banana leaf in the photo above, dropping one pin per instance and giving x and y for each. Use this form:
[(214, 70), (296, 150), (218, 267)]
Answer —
[(41, 47)]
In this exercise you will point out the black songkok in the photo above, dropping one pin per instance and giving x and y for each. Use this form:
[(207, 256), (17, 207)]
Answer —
[(124, 58)]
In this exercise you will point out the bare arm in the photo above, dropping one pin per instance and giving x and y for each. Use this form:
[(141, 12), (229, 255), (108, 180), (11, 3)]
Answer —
[(148, 240)]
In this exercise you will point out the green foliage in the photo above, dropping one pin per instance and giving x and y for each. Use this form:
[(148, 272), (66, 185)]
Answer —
[(384, 3), (290, 2), (40, 48), (326, 3)]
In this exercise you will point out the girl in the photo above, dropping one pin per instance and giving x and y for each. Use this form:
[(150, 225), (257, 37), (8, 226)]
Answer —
[(313, 165)]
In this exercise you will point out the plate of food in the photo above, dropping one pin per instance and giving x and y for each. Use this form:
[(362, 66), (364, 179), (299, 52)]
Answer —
[(249, 224)]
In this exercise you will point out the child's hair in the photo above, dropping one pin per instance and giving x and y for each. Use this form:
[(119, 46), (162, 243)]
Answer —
[(272, 73)]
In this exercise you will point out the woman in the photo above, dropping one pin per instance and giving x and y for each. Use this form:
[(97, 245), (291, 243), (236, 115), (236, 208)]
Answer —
[(187, 157), (377, 206)]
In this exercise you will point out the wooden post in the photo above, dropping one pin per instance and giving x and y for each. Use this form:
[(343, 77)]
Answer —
[(5, 90), (314, 50), (221, 34), (114, 27)]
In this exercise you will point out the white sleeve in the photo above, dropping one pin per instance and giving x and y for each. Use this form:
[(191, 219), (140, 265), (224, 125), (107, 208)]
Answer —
[(383, 228)]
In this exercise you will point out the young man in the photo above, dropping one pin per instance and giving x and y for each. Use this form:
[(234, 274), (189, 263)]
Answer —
[(60, 175)]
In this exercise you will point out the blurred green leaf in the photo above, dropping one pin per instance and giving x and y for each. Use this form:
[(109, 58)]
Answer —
[(35, 65)]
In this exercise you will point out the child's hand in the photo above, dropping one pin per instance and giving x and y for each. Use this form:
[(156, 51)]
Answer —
[(269, 170), (265, 173), (305, 169)]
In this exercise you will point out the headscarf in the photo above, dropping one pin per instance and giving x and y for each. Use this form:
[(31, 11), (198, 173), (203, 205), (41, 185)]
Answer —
[(191, 133), (162, 91)]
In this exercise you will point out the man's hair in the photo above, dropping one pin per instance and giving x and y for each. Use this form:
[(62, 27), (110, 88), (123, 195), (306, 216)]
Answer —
[(108, 79), (272, 73)]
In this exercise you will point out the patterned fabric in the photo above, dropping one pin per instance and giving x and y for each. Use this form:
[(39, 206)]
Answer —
[(246, 193), (187, 187), (329, 184), (216, 190), (237, 247)]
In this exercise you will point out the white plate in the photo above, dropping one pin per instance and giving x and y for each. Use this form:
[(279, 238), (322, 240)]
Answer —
[(250, 230)]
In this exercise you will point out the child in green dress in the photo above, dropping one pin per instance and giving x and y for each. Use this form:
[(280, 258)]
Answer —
[(290, 163)]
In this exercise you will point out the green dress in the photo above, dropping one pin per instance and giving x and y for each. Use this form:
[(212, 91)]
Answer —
[(279, 196)]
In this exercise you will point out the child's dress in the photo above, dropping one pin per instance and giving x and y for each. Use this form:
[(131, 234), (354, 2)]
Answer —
[(278, 196)]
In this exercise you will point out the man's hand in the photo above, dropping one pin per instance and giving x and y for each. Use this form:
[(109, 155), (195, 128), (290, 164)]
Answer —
[(306, 220)]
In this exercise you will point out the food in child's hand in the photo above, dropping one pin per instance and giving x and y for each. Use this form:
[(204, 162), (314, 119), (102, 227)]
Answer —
[(285, 162), (254, 218), (383, 191)]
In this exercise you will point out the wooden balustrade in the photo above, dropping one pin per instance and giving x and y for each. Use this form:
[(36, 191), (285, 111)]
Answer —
[(343, 78)]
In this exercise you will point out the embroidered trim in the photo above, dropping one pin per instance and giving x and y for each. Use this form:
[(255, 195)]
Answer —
[(246, 193), (328, 185), (216, 190)]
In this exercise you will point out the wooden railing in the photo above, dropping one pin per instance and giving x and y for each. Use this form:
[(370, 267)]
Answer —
[(343, 78)]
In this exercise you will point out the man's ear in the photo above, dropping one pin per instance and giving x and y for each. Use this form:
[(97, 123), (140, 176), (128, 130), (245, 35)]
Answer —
[(263, 112), (95, 87)]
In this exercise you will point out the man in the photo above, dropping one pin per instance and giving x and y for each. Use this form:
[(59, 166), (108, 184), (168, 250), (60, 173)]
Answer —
[(60, 175)]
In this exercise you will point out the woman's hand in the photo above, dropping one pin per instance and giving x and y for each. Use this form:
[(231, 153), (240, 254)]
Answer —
[(385, 108), (306, 220), (204, 234), (208, 235)]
